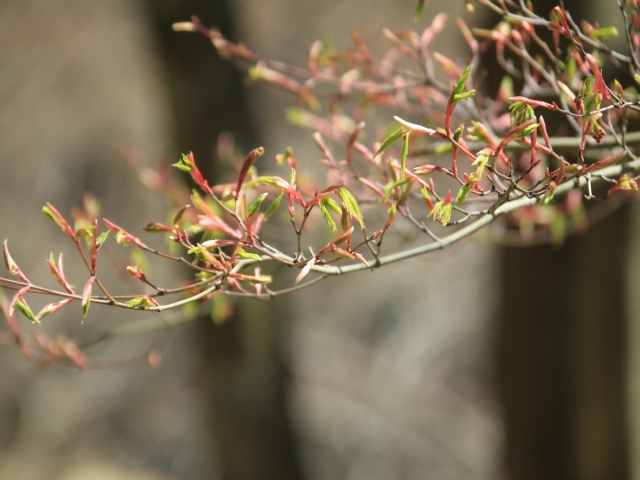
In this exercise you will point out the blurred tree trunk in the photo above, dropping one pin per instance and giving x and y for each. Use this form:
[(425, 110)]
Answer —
[(561, 350), (243, 380)]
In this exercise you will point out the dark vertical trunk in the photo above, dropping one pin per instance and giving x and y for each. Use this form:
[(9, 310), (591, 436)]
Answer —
[(561, 350), (561, 356), (242, 379)]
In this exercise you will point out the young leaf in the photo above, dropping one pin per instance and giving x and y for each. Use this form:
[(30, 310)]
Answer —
[(462, 82), (305, 270), (248, 161), (324, 209), (11, 265), (417, 13), (351, 205), (394, 137), (86, 297), (255, 206), (52, 307), (51, 212), (403, 158), (274, 206), (249, 256), (26, 311)]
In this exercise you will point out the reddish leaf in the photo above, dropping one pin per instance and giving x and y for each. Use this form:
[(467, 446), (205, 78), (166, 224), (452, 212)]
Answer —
[(246, 164), (86, 297), (305, 270), (11, 265)]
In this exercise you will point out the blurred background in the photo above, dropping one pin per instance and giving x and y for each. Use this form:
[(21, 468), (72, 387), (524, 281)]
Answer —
[(482, 361)]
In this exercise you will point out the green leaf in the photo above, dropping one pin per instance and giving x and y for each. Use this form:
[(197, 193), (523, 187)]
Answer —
[(178, 215), (442, 212), (351, 204), (255, 206), (528, 131), (26, 311), (462, 82), (394, 137), (274, 206), (604, 32), (388, 188), (403, 158), (135, 302), (463, 193), (249, 256), (521, 112), (417, 13), (86, 297), (331, 203), (327, 216), (102, 238), (264, 181), (460, 96), (184, 164)]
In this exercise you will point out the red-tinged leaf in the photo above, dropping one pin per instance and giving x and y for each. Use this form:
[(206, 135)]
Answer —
[(178, 216), (624, 183), (51, 212), (135, 272), (122, 236), (216, 224), (372, 186), (521, 131), (341, 239), (157, 227), (246, 164), (605, 162), (17, 298), (318, 198), (58, 273), (93, 246), (187, 164), (262, 73), (11, 265), (282, 184), (73, 353), (86, 297), (305, 270), (414, 127), (392, 216), (219, 243), (52, 307), (262, 279), (317, 138), (360, 46), (12, 321), (211, 258), (313, 55), (535, 103), (600, 87), (111, 226), (362, 259), (343, 253), (543, 127)]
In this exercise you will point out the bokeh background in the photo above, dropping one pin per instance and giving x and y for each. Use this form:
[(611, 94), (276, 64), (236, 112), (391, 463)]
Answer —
[(483, 361)]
